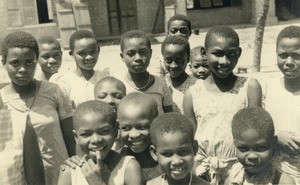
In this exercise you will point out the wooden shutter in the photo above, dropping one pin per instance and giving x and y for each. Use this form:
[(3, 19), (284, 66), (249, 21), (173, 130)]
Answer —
[(82, 16), (30, 16), (14, 13)]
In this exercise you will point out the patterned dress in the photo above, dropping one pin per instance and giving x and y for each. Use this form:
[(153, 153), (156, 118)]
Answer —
[(214, 113)]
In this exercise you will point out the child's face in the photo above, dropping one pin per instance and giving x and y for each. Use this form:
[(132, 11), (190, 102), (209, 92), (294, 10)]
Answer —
[(86, 53), (50, 58), (20, 65), (199, 67), (134, 128), (109, 93), (136, 55), (179, 27), (95, 133), (222, 56), (175, 154), (254, 151), (288, 57), (175, 59)]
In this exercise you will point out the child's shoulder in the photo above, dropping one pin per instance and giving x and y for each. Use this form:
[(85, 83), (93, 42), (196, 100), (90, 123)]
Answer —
[(198, 181), (155, 181), (285, 179), (65, 177)]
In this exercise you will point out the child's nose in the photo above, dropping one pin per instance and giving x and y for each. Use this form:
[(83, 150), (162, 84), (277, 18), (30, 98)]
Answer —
[(252, 158), (173, 65), (289, 61), (52, 60), (224, 60), (134, 133), (95, 138), (176, 160)]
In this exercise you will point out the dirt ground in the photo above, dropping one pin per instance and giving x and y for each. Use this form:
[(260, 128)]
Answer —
[(110, 55)]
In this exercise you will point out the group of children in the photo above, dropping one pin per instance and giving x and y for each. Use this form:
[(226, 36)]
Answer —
[(205, 128)]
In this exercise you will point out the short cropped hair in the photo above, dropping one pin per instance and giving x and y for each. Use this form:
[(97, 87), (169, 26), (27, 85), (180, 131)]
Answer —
[(80, 34), (111, 79), (18, 39), (198, 50), (221, 31), (134, 34), (142, 100), (49, 40), (180, 17), (252, 118), (170, 123), (176, 40), (289, 32), (94, 106)]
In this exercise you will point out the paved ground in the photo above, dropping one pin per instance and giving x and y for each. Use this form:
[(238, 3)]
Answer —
[(109, 56)]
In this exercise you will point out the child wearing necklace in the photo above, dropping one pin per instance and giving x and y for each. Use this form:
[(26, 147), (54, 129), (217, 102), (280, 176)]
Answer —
[(253, 134), (136, 54), (174, 148)]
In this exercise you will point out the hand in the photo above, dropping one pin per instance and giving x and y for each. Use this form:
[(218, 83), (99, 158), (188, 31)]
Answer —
[(72, 162), (289, 141), (95, 173)]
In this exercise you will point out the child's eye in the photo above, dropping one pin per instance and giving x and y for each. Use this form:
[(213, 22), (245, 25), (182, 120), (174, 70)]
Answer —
[(125, 128), (167, 154), (184, 152), (82, 53), (14, 63), (232, 54), (168, 60), (143, 52), (142, 127), (118, 96), (101, 96), (218, 54), (131, 53), (179, 60), (93, 52), (283, 55), (29, 63), (46, 57), (296, 56), (105, 132), (85, 134), (261, 148), (243, 149)]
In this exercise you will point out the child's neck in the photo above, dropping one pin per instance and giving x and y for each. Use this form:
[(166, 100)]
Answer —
[(177, 81), (47, 75), (139, 81), (221, 84), (144, 158), (292, 85), (184, 181), (87, 74), (26, 91), (264, 177)]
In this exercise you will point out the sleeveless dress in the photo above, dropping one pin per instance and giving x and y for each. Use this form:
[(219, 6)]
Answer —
[(214, 113), (117, 175), (284, 107), (12, 130)]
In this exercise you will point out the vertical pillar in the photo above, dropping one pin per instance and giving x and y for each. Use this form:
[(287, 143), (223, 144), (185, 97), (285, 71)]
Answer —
[(181, 7), (257, 6)]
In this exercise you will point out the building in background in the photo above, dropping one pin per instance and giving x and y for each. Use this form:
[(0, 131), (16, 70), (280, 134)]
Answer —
[(111, 18)]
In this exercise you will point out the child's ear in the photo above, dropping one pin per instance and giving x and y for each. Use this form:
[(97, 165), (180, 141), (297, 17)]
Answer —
[(240, 51), (203, 51), (75, 136), (121, 55), (70, 52), (195, 146), (150, 53), (153, 152)]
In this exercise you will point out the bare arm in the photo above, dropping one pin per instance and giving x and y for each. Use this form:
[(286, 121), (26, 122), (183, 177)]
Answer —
[(33, 164), (133, 174), (188, 107), (65, 177), (254, 93), (66, 129)]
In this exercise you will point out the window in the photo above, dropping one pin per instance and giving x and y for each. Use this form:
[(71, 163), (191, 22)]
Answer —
[(205, 4)]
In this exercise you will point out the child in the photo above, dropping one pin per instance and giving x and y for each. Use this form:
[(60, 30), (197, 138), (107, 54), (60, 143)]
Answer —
[(95, 132), (177, 25), (111, 90), (212, 103), (18, 148), (283, 97), (136, 54), (253, 134), (176, 53), (49, 58), (174, 148), (79, 84), (50, 112), (198, 63), (135, 114)]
